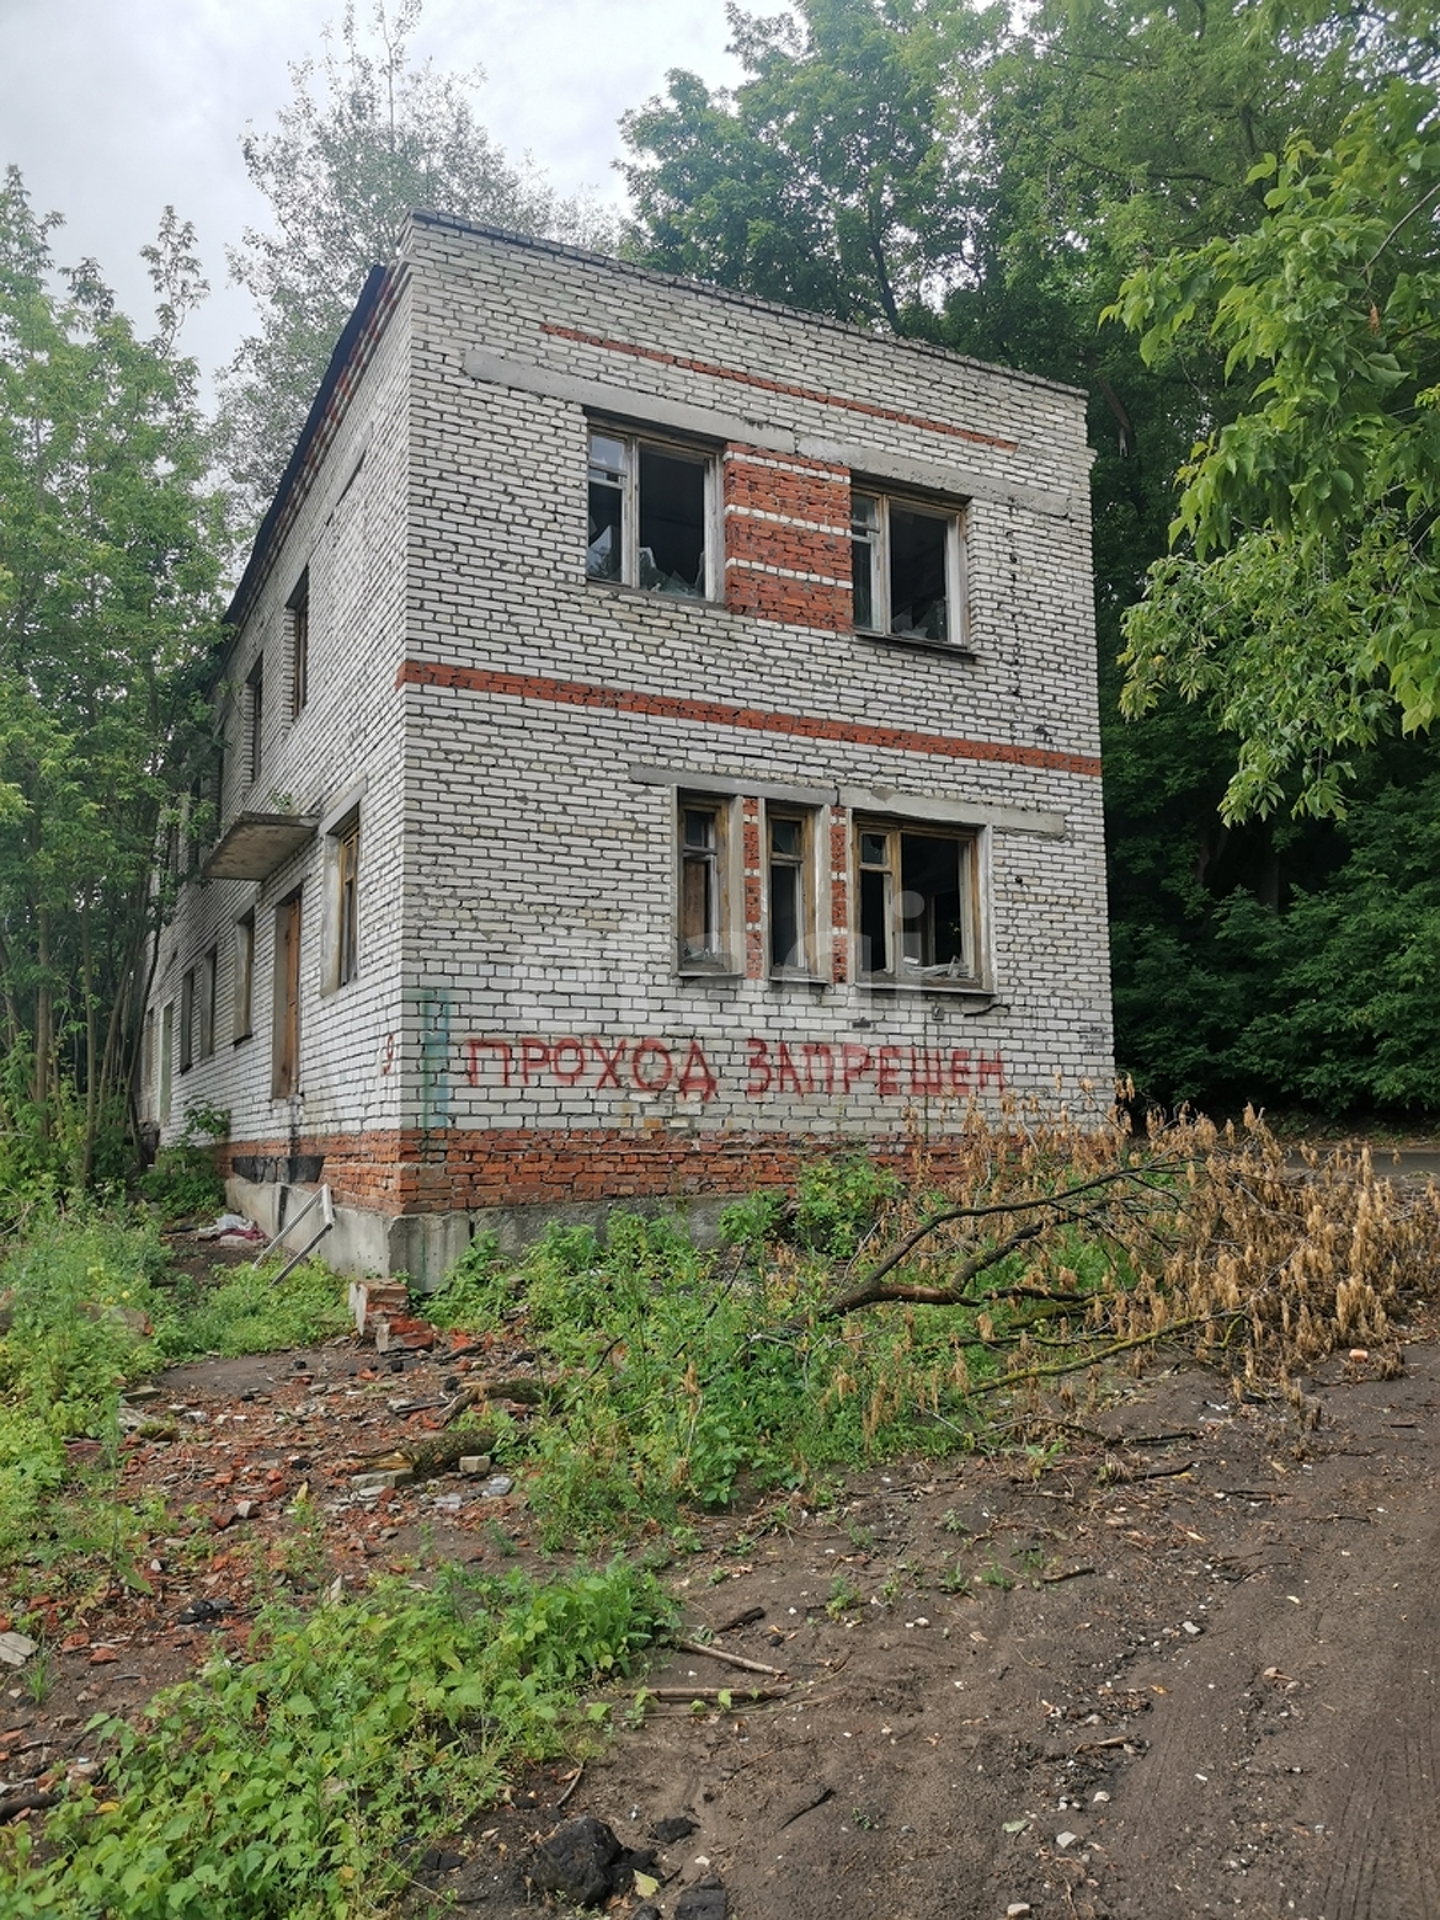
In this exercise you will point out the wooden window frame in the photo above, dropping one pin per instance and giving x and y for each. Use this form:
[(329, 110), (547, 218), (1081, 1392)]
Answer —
[(345, 855), (244, 1003), (285, 1054), (622, 479), (704, 886), (881, 895), (791, 868), (873, 548)]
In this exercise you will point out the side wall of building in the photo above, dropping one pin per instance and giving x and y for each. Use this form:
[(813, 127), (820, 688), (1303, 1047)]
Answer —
[(329, 750)]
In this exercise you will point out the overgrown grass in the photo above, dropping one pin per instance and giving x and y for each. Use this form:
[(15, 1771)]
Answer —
[(869, 1315), (682, 1375), (294, 1787), (94, 1306)]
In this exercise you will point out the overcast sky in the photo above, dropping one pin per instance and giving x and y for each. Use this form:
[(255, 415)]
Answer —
[(114, 108)]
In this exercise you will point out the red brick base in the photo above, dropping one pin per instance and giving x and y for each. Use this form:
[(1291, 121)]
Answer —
[(413, 1172)]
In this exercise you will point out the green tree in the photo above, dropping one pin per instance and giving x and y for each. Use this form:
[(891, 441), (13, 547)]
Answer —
[(108, 579), (367, 137), (1302, 603), (839, 175)]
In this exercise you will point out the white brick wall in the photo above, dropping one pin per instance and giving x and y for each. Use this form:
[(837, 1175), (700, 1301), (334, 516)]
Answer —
[(517, 878)]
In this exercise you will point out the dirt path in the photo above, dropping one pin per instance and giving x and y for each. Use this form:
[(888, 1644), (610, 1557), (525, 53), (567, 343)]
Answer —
[(1218, 1682), (1184, 1667)]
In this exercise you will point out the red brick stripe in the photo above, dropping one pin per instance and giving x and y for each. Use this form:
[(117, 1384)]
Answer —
[(393, 1172), (781, 386), (715, 713)]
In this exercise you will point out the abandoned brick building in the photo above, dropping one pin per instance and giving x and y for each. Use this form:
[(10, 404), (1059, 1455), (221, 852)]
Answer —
[(661, 742)]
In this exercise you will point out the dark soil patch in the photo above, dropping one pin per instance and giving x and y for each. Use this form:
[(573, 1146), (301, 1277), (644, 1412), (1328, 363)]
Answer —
[(1182, 1666)]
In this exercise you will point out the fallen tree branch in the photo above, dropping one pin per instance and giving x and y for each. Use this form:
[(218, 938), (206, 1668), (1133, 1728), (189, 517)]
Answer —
[(1055, 1209), (727, 1659)]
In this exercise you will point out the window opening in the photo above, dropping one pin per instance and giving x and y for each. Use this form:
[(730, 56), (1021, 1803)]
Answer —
[(347, 901), (209, 967), (790, 892), (298, 608), (255, 705), (916, 906), (906, 569), (285, 1076), (649, 511), (699, 885), (187, 1020), (244, 975)]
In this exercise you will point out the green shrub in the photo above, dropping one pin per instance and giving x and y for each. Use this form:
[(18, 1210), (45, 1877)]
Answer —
[(290, 1787), (183, 1183)]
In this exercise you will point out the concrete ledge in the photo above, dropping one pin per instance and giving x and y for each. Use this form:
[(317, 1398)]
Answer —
[(424, 1246)]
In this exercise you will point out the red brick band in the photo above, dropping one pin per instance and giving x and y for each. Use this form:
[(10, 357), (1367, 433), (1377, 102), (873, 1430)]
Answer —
[(781, 386), (716, 713), (408, 1172)]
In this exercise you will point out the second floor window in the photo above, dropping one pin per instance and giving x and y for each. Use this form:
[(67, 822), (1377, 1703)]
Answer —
[(650, 509), (907, 566)]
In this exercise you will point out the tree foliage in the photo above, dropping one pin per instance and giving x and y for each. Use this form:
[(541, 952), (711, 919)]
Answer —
[(108, 573), (839, 175), (367, 136), (1303, 602)]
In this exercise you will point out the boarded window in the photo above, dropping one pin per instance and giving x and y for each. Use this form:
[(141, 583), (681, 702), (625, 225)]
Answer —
[(285, 1074)]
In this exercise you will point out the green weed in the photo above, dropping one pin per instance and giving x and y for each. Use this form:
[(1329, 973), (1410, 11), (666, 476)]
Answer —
[(844, 1595), (289, 1788)]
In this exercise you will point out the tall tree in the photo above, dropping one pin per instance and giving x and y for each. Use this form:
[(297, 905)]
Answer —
[(108, 575), (1302, 603), (368, 136), (838, 175)]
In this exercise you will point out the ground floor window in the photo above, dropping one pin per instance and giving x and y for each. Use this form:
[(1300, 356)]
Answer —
[(705, 893), (285, 1069), (918, 909)]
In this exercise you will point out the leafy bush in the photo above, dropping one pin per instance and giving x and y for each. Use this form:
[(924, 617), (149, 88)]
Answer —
[(475, 1291), (289, 1788), (243, 1311), (183, 1183)]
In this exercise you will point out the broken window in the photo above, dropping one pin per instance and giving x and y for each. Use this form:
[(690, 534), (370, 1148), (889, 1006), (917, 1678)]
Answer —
[(297, 610), (244, 975), (907, 568), (650, 512), (790, 891), (704, 892), (918, 916)]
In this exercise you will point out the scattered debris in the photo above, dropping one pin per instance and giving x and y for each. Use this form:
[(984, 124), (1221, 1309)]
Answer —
[(17, 1648)]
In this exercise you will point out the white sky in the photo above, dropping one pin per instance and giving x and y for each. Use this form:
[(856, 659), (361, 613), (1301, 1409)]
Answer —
[(114, 108)]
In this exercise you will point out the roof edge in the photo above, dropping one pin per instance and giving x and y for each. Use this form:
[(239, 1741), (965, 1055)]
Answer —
[(455, 223), (257, 565)]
